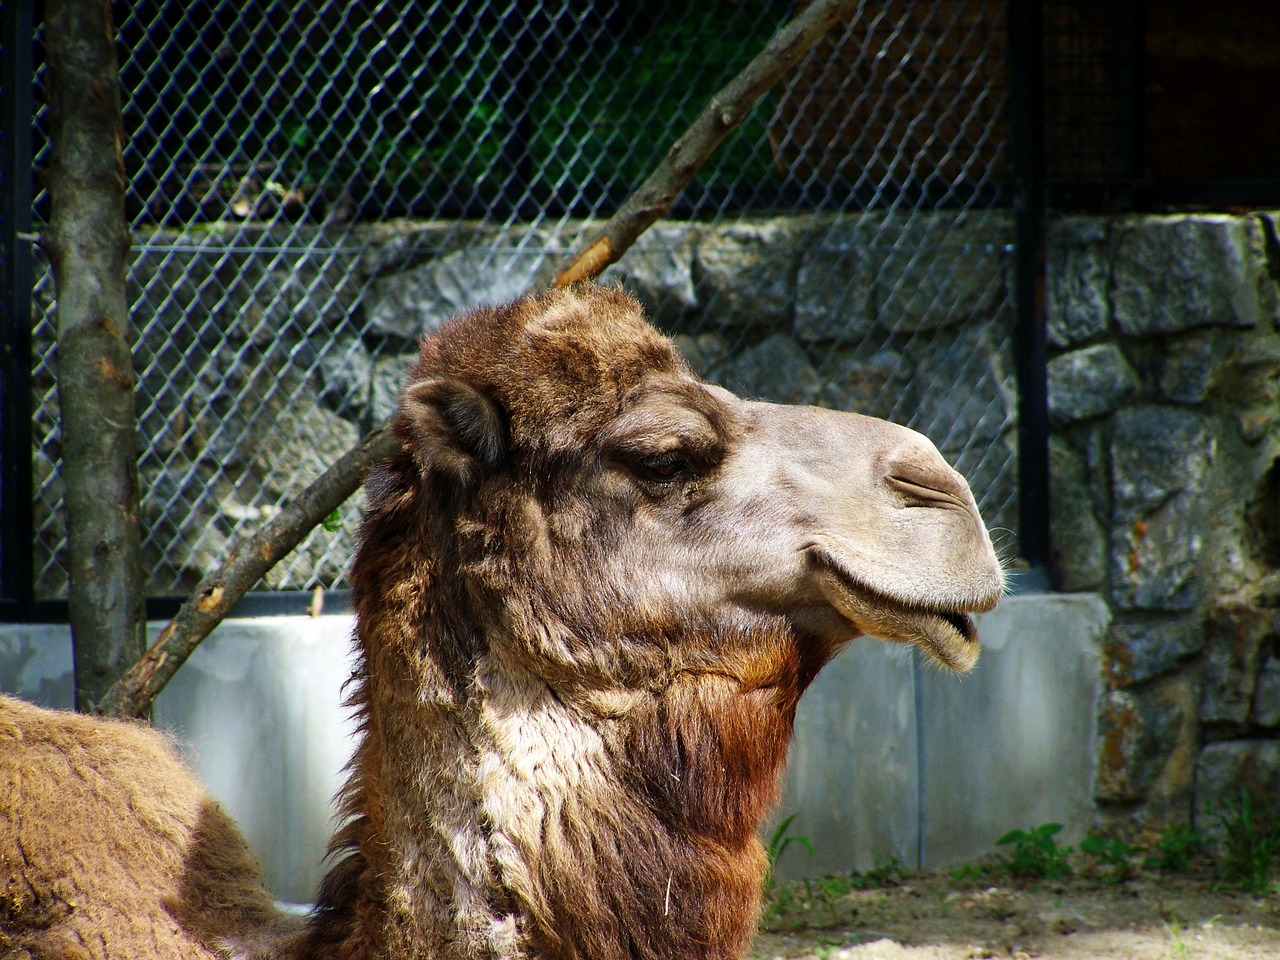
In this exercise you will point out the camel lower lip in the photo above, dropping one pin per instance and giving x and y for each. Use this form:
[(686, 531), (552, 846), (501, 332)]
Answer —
[(948, 637)]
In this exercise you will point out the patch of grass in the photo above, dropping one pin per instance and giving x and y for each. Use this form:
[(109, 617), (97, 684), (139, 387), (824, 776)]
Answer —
[(779, 841), (1116, 859), (970, 871), (1174, 930), (1035, 853), (1250, 846), (1174, 849), (887, 872)]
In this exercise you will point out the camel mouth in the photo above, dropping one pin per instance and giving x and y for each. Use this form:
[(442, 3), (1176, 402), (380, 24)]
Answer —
[(945, 632)]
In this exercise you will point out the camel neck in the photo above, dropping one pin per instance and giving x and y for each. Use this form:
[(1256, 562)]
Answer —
[(533, 826)]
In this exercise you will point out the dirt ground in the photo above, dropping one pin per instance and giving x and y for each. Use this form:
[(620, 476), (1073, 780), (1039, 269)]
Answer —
[(1185, 916)]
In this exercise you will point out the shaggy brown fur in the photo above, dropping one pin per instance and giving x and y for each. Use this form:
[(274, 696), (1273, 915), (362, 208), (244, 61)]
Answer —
[(590, 591), (109, 848)]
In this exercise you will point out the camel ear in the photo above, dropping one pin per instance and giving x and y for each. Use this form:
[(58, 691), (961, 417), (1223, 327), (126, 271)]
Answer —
[(453, 429)]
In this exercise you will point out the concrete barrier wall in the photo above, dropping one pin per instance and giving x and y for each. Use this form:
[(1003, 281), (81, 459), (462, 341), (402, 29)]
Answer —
[(891, 757)]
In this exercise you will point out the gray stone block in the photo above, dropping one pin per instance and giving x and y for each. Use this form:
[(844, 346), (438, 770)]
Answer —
[(1140, 651), (1266, 696), (966, 388), (1079, 541), (1146, 739), (1159, 460), (939, 272), (707, 353), (658, 271), (388, 380), (1225, 769), (1156, 452), (404, 307), (834, 284), (775, 369), (1077, 277), (1088, 382), (745, 274), (1176, 273), (1240, 632), (878, 385)]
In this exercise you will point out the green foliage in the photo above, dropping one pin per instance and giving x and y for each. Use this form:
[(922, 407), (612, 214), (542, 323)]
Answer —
[(1117, 858), (333, 522), (779, 840), (611, 118), (1177, 843), (1035, 853), (887, 872), (970, 871), (1250, 846)]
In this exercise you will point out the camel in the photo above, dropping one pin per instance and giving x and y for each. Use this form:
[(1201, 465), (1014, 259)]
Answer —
[(589, 591)]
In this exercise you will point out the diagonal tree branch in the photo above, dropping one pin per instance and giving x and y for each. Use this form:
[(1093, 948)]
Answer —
[(653, 198), (250, 558)]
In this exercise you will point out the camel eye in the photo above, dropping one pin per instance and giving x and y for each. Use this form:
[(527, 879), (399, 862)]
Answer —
[(664, 468)]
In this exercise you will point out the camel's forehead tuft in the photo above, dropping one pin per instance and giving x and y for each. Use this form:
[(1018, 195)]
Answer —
[(567, 357)]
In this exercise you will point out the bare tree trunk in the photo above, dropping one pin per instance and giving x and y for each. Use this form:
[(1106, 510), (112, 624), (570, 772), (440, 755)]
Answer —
[(219, 591), (87, 245)]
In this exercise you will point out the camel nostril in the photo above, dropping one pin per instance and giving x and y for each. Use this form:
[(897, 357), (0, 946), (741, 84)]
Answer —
[(924, 479)]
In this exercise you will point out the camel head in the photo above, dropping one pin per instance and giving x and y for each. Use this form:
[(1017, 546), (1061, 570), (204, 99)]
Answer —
[(598, 485), (590, 591)]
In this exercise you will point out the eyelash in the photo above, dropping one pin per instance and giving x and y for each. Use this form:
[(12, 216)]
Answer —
[(664, 468)]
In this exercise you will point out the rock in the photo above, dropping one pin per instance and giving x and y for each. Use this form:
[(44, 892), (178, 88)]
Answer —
[(1147, 742), (1240, 633), (1156, 452), (404, 307), (834, 284), (706, 353), (878, 385), (248, 433), (658, 271), (222, 292), (1138, 651), (1077, 277), (1266, 696), (1079, 541), (1188, 365), (745, 274), (775, 369), (1176, 273), (342, 377), (387, 382), (1089, 382), (941, 271), (966, 390), (1159, 460), (1225, 769)]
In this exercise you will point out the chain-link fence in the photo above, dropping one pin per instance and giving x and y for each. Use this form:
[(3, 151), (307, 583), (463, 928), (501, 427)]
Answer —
[(315, 184)]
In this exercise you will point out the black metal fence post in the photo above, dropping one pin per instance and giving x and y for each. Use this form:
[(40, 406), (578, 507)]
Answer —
[(16, 283), (1026, 62)]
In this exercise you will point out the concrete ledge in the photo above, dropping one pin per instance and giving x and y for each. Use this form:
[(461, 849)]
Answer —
[(891, 757)]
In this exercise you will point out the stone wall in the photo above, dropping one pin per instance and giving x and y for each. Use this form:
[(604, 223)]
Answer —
[(262, 357), (1163, 382)]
